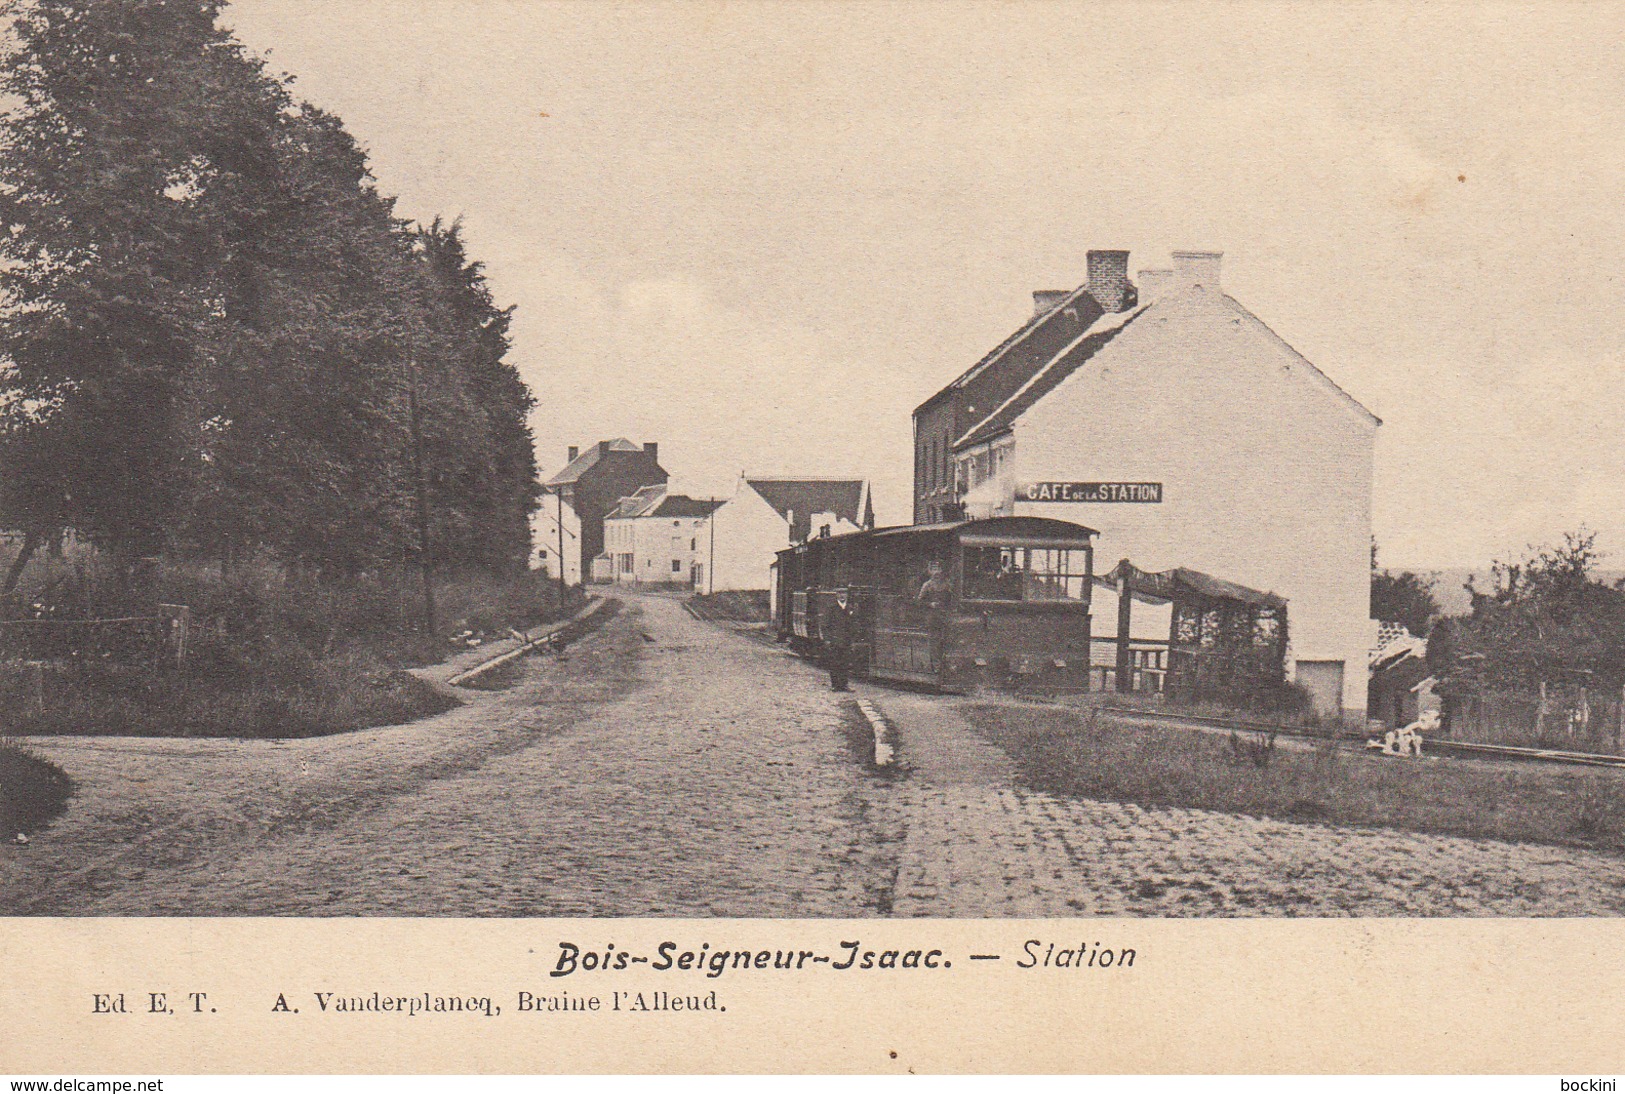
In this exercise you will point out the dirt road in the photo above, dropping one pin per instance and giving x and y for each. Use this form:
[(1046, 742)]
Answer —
[(671, 767)]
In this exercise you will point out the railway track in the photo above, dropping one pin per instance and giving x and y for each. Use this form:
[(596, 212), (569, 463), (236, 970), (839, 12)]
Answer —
[(1435, 746)]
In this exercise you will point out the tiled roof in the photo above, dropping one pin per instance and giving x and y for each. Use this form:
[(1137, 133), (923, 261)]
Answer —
[(1050, 375), (681, 505), (1169, 584), (584, 462), (638, 504), (1014, 353), (797, 500)]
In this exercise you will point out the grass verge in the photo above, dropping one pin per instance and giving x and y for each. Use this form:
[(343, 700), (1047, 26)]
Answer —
[(1096, 755), (735, 605)]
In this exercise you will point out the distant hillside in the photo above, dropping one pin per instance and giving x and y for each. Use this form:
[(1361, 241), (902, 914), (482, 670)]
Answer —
[(1449, 591)]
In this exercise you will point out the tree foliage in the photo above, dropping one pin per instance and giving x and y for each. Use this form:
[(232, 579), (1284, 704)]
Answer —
[(214, 329), (1546, 619), (1402, 597)]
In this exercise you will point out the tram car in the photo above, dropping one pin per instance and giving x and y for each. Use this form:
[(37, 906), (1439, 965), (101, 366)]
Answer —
[(1002, 602)]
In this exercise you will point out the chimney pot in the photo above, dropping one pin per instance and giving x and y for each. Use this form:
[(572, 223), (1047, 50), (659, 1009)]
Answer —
[(1108, 279), (1198, 268), (1045, 299), (572, 452)]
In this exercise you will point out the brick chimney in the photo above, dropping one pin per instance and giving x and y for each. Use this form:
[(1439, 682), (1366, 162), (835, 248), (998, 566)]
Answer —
[(603, 449), (1153, 283), (572, 452), (1045, 299), (1108, 279), (652, 450), (1200, 268)]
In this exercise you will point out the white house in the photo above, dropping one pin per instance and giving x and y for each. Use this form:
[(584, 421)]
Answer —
[(545, 535), (656, 538), (1185, 430), (766, 515)]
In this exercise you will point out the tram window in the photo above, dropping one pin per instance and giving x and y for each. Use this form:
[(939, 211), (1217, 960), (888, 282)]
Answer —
[(1025, 574)]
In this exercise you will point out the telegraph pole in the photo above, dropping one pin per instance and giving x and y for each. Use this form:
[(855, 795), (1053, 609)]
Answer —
[(711, 566), (558, 518)]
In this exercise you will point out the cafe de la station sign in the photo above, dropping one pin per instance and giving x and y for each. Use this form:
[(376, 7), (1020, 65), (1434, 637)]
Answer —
[(1092, 492)]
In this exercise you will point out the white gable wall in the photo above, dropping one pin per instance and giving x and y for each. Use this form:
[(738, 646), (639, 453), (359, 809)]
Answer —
[(1266, 468), (749, 533), (544, 539)]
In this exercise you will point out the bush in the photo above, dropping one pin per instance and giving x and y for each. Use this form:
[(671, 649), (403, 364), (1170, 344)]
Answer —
[(33, 791), (270, 654), (1254, 747)]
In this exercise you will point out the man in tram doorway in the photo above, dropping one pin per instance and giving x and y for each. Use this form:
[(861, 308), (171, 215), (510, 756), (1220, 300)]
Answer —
[(933, 595), (837, 630)]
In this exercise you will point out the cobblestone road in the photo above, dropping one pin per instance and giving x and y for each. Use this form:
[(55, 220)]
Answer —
[(666, 768), (670, 767), (975, 843)]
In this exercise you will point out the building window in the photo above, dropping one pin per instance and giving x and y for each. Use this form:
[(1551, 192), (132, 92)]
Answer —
[(694, 544), (676, 566)]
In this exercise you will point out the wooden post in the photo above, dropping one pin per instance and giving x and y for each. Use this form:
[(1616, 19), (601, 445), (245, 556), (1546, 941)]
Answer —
[(558, 517), (1619, 720), (1125, 612), (37, 673)]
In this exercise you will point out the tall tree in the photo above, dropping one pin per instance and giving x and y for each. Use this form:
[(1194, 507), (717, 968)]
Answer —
[(126, 117), (499, 488), (215, 333)]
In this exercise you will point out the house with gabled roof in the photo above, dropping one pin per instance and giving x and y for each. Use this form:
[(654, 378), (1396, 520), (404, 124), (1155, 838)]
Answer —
[(592, 484), (1177, 423), (765, 515)]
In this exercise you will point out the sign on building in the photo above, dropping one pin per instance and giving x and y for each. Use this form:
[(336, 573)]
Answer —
[(1132, 492)]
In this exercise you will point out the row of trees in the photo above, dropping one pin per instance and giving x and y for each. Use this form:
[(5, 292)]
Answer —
[(216, 336)]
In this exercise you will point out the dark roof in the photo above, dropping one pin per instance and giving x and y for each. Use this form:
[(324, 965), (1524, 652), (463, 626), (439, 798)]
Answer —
[(584, 462), (1048, 377), (1168, 584), (796, 500), (1035, 527), (1063, 532), (637, 504), (681, 505), (1013, 354)]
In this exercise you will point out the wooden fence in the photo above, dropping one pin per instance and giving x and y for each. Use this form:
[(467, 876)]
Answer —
[(1581, 720), (159, 640)]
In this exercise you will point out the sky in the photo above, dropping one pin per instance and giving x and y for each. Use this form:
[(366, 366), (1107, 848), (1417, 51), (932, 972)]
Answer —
[(762, 233)]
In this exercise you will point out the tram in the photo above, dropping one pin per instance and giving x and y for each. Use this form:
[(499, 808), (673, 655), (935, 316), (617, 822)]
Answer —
[(1001, 602)]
